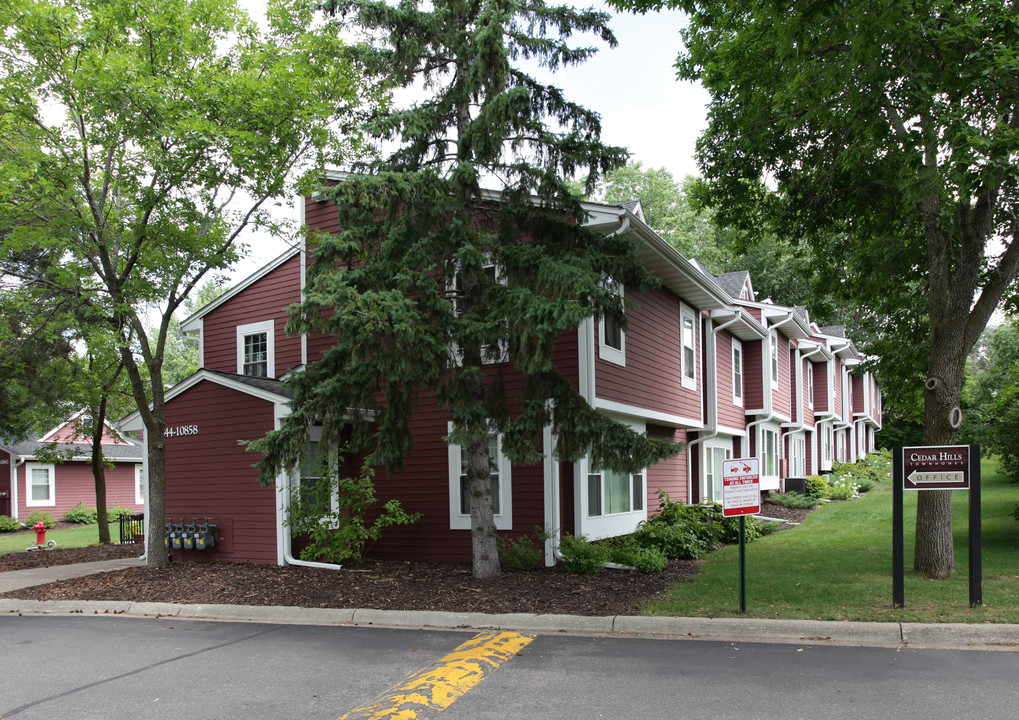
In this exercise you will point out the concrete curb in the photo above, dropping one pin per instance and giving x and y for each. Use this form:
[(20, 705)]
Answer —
[(996, 637)]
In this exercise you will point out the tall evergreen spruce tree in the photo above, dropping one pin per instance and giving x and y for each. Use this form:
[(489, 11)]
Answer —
[(436, 287)]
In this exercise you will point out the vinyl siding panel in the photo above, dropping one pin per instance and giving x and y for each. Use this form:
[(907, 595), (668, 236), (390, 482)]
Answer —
[(211, 475), (729, 414), (266, 299), (652, 377)]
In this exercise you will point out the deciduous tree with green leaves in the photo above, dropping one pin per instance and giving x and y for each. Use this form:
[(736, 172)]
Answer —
[(434, 285), (147, 136), (886, 134)]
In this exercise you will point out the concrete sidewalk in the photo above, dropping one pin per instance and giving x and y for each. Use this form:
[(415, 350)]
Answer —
[(998, 637)]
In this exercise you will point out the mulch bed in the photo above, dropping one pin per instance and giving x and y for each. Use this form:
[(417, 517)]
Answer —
[(380, 585)]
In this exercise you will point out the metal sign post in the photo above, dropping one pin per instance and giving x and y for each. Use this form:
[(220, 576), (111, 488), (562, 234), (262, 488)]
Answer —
[(741, 496), (939, 467)]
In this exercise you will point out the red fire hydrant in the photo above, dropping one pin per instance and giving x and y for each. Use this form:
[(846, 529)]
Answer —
[(40, 533)]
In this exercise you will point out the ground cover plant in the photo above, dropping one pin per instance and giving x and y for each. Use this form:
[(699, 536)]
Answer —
[(838, 566)]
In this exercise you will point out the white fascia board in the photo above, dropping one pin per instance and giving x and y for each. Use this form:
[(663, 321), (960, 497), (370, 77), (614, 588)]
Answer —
[(191, 326), (133, 422), (667, 419)]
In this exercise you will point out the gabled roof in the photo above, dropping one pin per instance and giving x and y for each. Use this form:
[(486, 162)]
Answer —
[(838, 331), (635, 207), (735, 283), (268, 389), (192, 323), (80, 451)]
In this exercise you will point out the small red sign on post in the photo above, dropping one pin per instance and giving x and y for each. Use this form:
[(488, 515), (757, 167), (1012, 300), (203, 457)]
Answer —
[(741, 487), (941, 467)]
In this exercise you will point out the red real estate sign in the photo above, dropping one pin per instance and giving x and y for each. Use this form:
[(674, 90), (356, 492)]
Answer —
[(943, 467), (741, 487)]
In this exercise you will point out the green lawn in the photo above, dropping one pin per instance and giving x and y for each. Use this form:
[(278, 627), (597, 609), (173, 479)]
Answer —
[(81, 536), (838, 566)]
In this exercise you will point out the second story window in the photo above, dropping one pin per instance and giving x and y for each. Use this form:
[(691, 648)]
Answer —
[(611, 338), (737, 372), (688, 342), (810, 384), (773, 341), (255, 350)]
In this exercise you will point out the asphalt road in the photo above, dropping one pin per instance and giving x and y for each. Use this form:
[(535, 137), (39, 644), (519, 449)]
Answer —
[(116, 667)]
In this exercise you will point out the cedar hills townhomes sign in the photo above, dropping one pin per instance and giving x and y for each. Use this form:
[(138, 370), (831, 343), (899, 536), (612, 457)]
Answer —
[(935, 468)]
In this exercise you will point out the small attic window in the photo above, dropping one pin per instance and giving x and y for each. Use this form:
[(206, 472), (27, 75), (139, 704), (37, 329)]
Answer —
[(86, 422)]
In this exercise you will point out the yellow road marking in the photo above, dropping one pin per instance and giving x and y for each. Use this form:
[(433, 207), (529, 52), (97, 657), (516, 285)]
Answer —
[(445, 681)]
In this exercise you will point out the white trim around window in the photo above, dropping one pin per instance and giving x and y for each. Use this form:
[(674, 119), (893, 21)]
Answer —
[(810, 384), (267, 328), (602, 508), (737, 372), (139, 484), (40, 485), (459, 506), (773, 353), (612, 337), (688, 347), (768, 451), (715, 452)]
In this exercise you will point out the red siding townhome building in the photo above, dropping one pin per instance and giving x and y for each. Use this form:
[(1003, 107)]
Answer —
[(700, 363), (54, 472)]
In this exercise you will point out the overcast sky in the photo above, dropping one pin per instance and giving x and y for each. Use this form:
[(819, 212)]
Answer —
[(634, 88)]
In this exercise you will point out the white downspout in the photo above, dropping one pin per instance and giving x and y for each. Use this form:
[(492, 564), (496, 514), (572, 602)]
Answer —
[(14, 486), (284, 542), (711, 387)]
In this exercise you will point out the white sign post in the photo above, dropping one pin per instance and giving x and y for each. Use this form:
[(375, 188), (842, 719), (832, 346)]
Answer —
[(741, 496)]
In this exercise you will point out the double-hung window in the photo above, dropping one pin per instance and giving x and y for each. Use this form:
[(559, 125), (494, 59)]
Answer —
[(41, 480), (769, 452), (688, 347), (773, 342), (497, 352), (810, 384), (797, 463), (459, 485), (714, 456), (256, 355), (611, 338), (139, 484), (737, 372)]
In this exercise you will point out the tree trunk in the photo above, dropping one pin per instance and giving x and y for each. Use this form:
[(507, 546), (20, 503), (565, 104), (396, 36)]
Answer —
[(99, 472), (156, 507), (485, 552), (934, 554)]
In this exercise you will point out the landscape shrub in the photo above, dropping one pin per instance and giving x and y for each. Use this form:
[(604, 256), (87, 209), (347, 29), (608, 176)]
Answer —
[(82, 515), (340, 533), (520, 553), (37, 515), (843, 488), (581, 555), (8, 524), (676, 542), (817, 487), (792, 499), (640, 558), (113, 514)]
